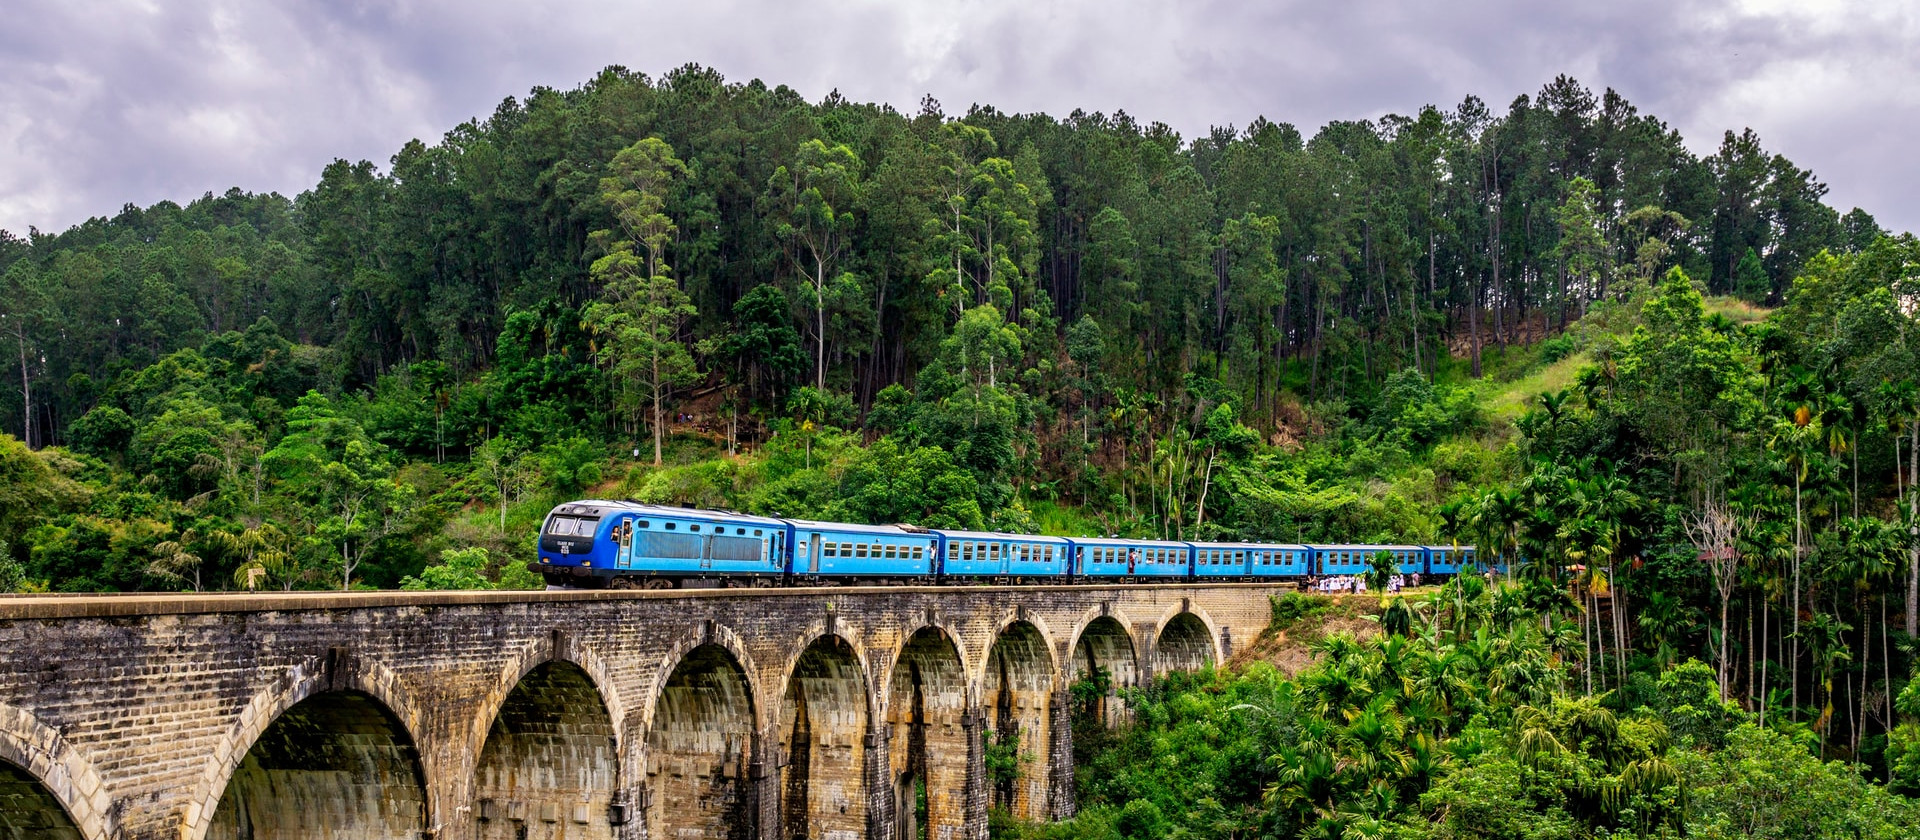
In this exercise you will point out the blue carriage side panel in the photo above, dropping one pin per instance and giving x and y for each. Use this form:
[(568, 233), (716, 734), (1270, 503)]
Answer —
[(686, 542), (836, 549), (1120, 558), (1449, 560), (989, 554)]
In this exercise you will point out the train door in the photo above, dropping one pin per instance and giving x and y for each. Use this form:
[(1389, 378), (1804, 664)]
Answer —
[(624, 533), (813, 556)]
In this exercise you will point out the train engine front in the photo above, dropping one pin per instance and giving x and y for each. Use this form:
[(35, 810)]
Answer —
[(573, 544)]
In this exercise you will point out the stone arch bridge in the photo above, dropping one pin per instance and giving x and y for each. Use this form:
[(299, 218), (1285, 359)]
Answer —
[(741, 714)]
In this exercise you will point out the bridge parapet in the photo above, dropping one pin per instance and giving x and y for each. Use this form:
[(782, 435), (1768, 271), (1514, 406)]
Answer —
[(828, 712)]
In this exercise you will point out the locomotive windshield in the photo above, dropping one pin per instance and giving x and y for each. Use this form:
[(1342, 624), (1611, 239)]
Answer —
[(568, 526)]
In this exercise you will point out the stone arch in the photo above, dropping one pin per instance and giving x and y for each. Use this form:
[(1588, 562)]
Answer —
[(338, 671), (45, 783), (549, 767), (1102, 642), (336, 764), (1185, 642), (702, 756), (684, 643), (1018, 700), (823, 730), (930, 734), (554, 647), (814, 632)]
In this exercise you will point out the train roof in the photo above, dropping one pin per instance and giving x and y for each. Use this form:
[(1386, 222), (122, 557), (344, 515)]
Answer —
[(1248, 545), (601, 506), (997, 535), (1448, 547), (847, 527), (1131, 543), (1364, 546), (589, 507)]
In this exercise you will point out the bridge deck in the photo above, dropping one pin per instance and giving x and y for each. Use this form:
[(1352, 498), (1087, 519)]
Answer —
[(52, 605)]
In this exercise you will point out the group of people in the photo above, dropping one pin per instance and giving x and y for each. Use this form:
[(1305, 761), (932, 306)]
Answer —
[(1358, 583)]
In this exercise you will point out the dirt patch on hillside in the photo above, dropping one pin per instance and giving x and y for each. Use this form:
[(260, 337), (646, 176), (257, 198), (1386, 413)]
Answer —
[(1290, 649)]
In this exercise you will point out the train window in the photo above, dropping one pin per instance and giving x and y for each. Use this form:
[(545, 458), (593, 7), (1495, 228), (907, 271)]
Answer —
[(756, 532), (669, 526), (993, 552), (893, 552), (740, 532), (644, 523), (917, 552), (694, 528)]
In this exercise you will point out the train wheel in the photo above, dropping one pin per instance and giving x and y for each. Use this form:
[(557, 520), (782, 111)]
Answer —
[(659, 583), (623, 583)]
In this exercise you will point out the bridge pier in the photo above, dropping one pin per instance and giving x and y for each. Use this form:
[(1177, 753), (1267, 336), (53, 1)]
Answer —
[(829, 714)]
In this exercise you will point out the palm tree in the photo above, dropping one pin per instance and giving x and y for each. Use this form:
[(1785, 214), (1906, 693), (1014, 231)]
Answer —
[(1603, 503), (266, 555), (1826, 641), (173, 560), (1902, 406), (1797, 437)]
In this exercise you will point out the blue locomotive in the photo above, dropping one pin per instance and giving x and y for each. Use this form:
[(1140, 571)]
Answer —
[(629, 545)]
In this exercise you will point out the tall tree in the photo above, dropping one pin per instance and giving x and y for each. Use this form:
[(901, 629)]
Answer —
[(813, 199), (638, 318)]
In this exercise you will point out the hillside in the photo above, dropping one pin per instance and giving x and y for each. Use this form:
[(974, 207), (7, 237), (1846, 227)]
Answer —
[(1550, 331)]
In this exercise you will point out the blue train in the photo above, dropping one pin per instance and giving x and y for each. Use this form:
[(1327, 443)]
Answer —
[(629, 545)]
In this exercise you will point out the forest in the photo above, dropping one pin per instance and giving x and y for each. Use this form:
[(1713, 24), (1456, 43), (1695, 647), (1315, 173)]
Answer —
[(1677, 395)]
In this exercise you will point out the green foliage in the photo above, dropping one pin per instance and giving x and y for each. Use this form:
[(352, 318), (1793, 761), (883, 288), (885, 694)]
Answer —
[(888, 483), (571, 465), (1461, 729), (1765, 784), (1291, 608), (462, 569), (105, 431)]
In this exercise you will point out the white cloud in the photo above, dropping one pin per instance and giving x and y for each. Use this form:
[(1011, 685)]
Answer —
[(140, 102)]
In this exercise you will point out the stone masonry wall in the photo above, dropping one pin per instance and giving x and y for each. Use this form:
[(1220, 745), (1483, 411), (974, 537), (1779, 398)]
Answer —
[(431, 714)]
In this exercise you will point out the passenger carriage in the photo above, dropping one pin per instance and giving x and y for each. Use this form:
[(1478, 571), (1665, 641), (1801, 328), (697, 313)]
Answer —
[(1248, 561), (1119, 559), (1450, 559), (1358, 559), (985, 555), (837, 551)]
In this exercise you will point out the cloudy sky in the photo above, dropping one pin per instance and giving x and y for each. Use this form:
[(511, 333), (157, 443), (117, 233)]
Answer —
[(104, 103)]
